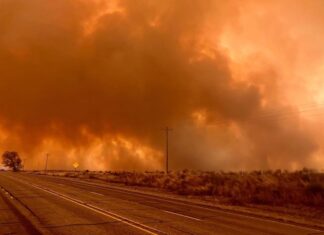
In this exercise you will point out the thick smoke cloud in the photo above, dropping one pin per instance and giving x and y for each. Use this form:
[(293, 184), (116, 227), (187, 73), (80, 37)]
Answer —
[(96, 81)]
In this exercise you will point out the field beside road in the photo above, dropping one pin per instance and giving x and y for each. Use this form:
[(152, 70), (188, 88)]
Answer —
[(297, 194)]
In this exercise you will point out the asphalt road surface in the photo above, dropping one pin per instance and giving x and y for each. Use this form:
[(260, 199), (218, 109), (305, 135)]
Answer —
[(67, 206)]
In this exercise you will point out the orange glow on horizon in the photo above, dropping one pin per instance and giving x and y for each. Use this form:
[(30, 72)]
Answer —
[(95, 81)]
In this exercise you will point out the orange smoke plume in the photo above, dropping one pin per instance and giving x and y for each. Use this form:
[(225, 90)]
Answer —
[(96, 81)]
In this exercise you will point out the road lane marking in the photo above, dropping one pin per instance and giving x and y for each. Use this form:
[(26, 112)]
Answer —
[(106, 213), (217, 210), (182, 215), (97, 193)]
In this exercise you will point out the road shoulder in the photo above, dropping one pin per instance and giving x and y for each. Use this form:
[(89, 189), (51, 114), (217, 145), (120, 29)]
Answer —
[(24, 217)]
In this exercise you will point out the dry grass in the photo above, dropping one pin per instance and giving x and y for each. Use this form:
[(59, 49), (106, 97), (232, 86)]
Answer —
[(280, 188)]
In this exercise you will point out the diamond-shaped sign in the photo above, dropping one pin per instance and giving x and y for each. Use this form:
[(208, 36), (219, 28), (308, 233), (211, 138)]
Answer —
[(75, 165)]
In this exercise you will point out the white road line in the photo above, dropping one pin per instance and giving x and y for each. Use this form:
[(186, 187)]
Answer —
[(112, 215), (97, 193), (219, 210), (182, 215)]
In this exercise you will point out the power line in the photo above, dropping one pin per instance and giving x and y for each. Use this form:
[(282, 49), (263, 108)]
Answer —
[(276, 115), (274, 111)]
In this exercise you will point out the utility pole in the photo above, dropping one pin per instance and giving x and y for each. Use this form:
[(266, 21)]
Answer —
[(167, 130), (24, 163), (46, 162)]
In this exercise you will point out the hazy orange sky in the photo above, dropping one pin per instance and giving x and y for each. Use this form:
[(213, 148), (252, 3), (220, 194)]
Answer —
[(95, 81)]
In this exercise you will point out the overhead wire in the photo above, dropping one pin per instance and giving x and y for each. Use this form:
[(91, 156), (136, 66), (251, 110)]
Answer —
[(280, 114)]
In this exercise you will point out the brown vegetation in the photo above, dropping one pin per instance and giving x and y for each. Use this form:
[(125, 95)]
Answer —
[(280, 188)]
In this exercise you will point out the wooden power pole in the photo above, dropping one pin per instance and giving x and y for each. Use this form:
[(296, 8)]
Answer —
[(167, 130), (46, 162)]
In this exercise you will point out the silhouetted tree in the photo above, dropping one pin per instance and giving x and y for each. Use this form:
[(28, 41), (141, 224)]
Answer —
[(11, 160)]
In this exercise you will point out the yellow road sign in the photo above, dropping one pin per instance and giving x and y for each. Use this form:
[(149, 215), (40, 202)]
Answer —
[(75, 165)]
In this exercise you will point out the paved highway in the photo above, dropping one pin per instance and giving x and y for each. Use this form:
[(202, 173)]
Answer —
[(68, 206)]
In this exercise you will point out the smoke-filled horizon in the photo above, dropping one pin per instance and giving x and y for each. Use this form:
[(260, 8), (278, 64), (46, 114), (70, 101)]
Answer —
[(96, 81)]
